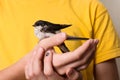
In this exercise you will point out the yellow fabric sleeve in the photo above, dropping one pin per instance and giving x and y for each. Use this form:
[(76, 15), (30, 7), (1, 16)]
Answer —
[(109, 42)]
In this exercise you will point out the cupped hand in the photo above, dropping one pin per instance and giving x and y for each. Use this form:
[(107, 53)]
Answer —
[(40, 67), (78, 59)]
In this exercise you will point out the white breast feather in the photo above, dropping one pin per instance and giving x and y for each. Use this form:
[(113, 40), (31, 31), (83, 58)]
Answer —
[(41, 35)]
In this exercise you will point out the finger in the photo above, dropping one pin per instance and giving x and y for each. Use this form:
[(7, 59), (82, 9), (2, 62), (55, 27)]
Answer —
[(29, 66), (90, 53), (87, 52), (91, 48), (37, 65), (74, 59), (84, 47), (37, 54), (53, 41), (72, 74), (86, 59), (61, 58), (48, 68), (89, 58)]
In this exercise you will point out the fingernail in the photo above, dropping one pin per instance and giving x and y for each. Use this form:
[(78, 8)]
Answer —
[(96, 41), (47, 54), (91, 40)]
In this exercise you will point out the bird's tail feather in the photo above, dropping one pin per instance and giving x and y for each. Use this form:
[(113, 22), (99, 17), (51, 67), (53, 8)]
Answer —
[(63, 48), (76, 38)]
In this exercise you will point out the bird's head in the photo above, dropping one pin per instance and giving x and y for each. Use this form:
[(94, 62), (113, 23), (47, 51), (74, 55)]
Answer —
[(41, 25)]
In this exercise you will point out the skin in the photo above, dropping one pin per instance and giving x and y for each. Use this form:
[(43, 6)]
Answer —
[(83, 55), (106, 70), (40, 68), (18, 68), (101, 69), (79, 58), (35, 72)]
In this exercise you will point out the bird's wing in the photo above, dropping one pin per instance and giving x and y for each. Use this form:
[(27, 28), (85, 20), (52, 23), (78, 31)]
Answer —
[(57, 27)]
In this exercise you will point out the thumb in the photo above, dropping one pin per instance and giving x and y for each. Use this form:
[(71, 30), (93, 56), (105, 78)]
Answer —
[(53, 41), (72, 74)]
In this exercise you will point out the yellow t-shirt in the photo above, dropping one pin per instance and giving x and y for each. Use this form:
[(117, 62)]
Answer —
[(89, 18)]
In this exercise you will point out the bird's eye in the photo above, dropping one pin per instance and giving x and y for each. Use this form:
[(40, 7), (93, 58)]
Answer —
[(43, 25), (37, 24)]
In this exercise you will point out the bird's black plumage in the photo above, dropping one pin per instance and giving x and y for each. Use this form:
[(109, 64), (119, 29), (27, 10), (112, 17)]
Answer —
[(51, 26)]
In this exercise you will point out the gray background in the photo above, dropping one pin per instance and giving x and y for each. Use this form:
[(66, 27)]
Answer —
[(113, 7)]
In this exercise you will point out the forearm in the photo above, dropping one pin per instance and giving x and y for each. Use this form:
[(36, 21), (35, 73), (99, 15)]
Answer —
[(106, 71), (15, 71)]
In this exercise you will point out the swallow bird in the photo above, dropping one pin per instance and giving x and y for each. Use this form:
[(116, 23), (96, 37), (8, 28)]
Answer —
[(44, 29)]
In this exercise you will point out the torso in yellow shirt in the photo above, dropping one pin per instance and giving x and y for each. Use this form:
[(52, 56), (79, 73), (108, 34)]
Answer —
[(88, 19)]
